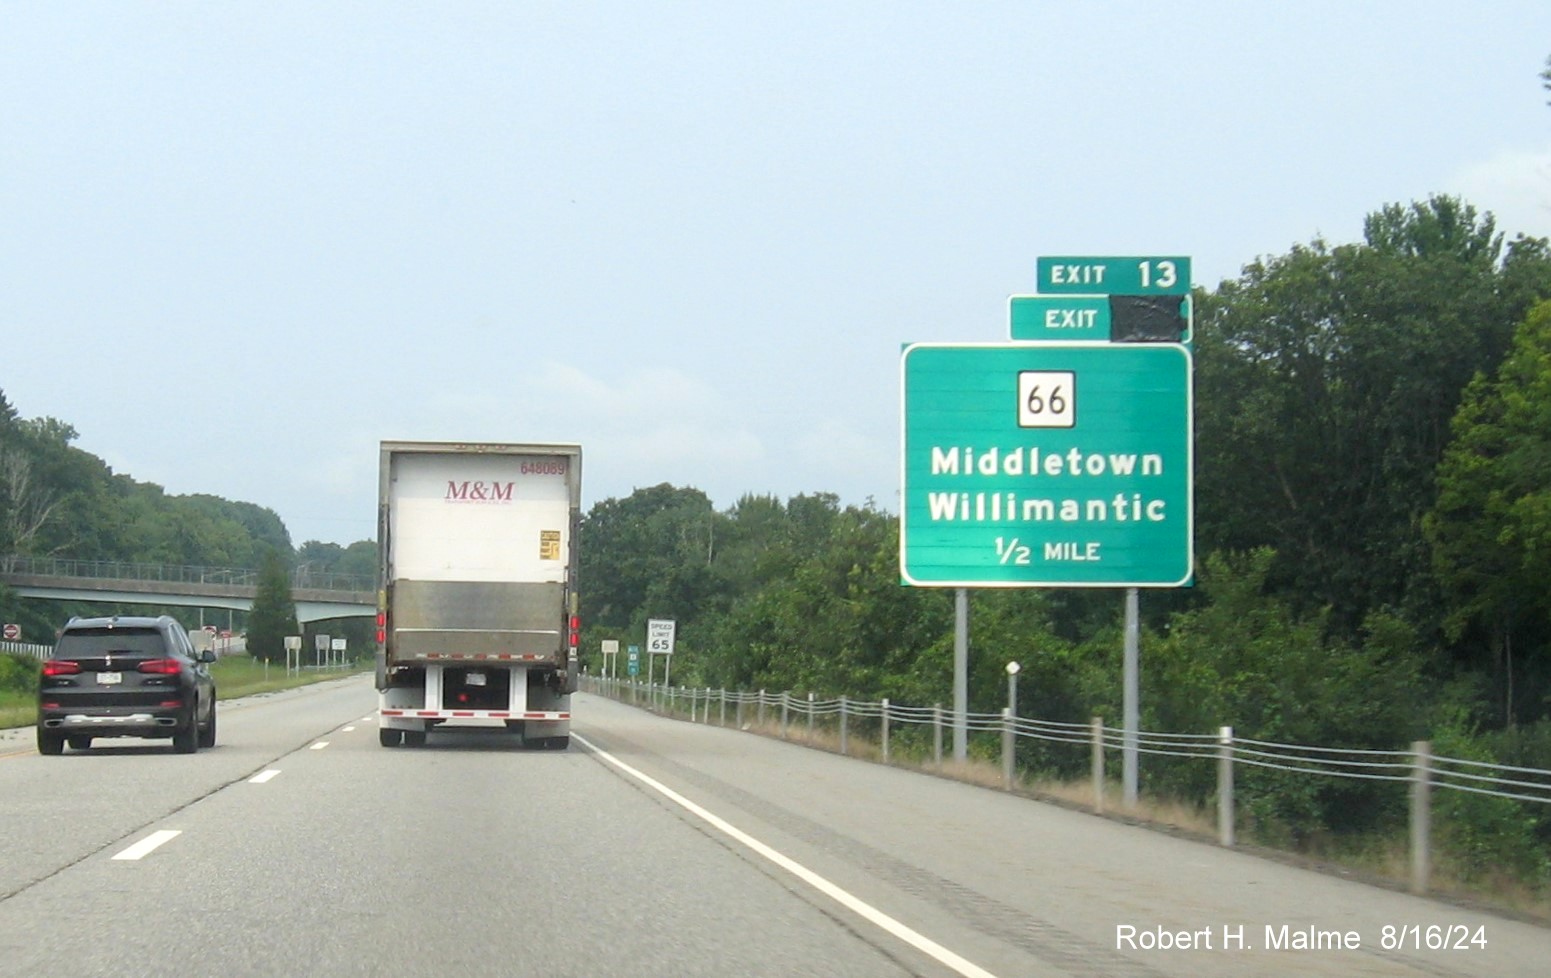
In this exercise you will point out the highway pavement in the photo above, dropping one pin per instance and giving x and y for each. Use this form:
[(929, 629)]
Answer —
[(653, 847)]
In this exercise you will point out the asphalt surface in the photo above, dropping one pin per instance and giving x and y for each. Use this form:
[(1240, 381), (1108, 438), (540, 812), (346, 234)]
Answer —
[(651, 847)]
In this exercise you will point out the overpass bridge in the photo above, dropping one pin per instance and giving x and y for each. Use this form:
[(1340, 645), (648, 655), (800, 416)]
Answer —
[(318, 596)]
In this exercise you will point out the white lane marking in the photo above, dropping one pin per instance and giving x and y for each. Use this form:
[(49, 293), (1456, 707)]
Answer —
[(146, 845), (349, 729), (367, 719), (320, 745), (841, 896), (263, 776)]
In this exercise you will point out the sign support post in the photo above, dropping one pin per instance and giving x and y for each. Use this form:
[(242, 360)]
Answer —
[(1131, 696), (961, 674)]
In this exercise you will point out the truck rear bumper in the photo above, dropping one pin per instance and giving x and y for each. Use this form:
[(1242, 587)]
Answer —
[(398, 719)]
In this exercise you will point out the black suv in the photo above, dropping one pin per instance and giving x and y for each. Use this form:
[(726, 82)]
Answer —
[(125, 677)]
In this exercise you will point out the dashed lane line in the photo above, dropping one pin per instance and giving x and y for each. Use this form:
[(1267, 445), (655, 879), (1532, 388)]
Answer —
[(148, 844)]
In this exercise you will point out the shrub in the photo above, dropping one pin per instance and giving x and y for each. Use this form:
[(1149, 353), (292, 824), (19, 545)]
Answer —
[(18, 672)]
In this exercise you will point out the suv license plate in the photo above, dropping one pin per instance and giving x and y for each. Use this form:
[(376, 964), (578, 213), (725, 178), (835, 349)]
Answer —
[(109, 678)]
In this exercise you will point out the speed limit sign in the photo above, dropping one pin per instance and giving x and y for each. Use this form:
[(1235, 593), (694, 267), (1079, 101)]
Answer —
[(659, 636), (13, 631)]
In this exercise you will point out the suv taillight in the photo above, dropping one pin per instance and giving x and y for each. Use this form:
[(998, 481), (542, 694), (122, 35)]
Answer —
[(61, 667), (160, 667)]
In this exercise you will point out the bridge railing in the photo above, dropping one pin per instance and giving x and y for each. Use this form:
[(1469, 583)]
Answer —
[(32, 649), (302, 577)]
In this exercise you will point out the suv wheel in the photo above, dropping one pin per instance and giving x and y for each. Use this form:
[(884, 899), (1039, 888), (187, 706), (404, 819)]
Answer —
[(186, 740), (50, 742), (207, 732)]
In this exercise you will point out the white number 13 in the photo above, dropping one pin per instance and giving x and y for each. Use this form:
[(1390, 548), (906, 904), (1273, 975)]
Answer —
[(1168, 275)]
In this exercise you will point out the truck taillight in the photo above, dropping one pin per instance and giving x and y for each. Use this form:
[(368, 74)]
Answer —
[(576, 630), (382, 627)]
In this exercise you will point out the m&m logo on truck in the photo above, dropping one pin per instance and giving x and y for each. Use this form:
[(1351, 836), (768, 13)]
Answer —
[(478, 491)]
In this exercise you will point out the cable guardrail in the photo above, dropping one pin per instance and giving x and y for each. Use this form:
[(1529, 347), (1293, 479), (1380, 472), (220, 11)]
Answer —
[(1418, 767)]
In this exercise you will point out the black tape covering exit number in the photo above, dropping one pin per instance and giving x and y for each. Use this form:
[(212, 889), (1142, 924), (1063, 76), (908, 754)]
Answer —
[(1146, 318)]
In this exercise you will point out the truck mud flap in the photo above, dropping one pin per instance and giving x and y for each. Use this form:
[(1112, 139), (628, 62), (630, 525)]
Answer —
[(570, 680)]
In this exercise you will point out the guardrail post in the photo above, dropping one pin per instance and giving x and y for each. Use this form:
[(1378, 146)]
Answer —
[(786, 700), (885, 732), (1007, 748), (1225, 786), (694, 702), (937, 734), (843, 742), (760, 712), (810, 716), (1097, 725), (1421, 815), (739, 713), (723, 693)]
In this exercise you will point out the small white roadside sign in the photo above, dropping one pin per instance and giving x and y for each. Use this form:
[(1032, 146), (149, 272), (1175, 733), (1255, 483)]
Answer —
[(659, 636)]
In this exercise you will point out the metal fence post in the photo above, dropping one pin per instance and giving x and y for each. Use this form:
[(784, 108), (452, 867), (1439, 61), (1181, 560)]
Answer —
[(1007, 748), (1225, 786), (739, 715), (723, 693), (1421, 815), (937, 734), (885, 731), (843, 742), (1097, 725), (810, 717), (786, 699), (760, 710)]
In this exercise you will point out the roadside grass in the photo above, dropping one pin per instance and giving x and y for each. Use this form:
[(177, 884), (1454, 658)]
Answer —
[(241, 675), (17, 709), (235, 676)]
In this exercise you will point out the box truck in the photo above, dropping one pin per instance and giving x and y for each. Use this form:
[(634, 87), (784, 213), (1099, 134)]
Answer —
[(477, 601)]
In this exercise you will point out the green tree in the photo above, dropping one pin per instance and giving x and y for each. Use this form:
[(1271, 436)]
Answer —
[(1326, 380), (274, 612), (1251, 659), (647, 555), (1490, 529)]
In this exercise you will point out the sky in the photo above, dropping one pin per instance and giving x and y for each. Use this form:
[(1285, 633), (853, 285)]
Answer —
[(243, 243)]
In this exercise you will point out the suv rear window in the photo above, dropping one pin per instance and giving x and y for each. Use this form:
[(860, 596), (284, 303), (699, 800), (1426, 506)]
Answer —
[(88, 642)]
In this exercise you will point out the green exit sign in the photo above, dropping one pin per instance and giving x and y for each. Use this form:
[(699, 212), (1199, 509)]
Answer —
[(1047, 465), (1115, 318), (1114, 276)]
